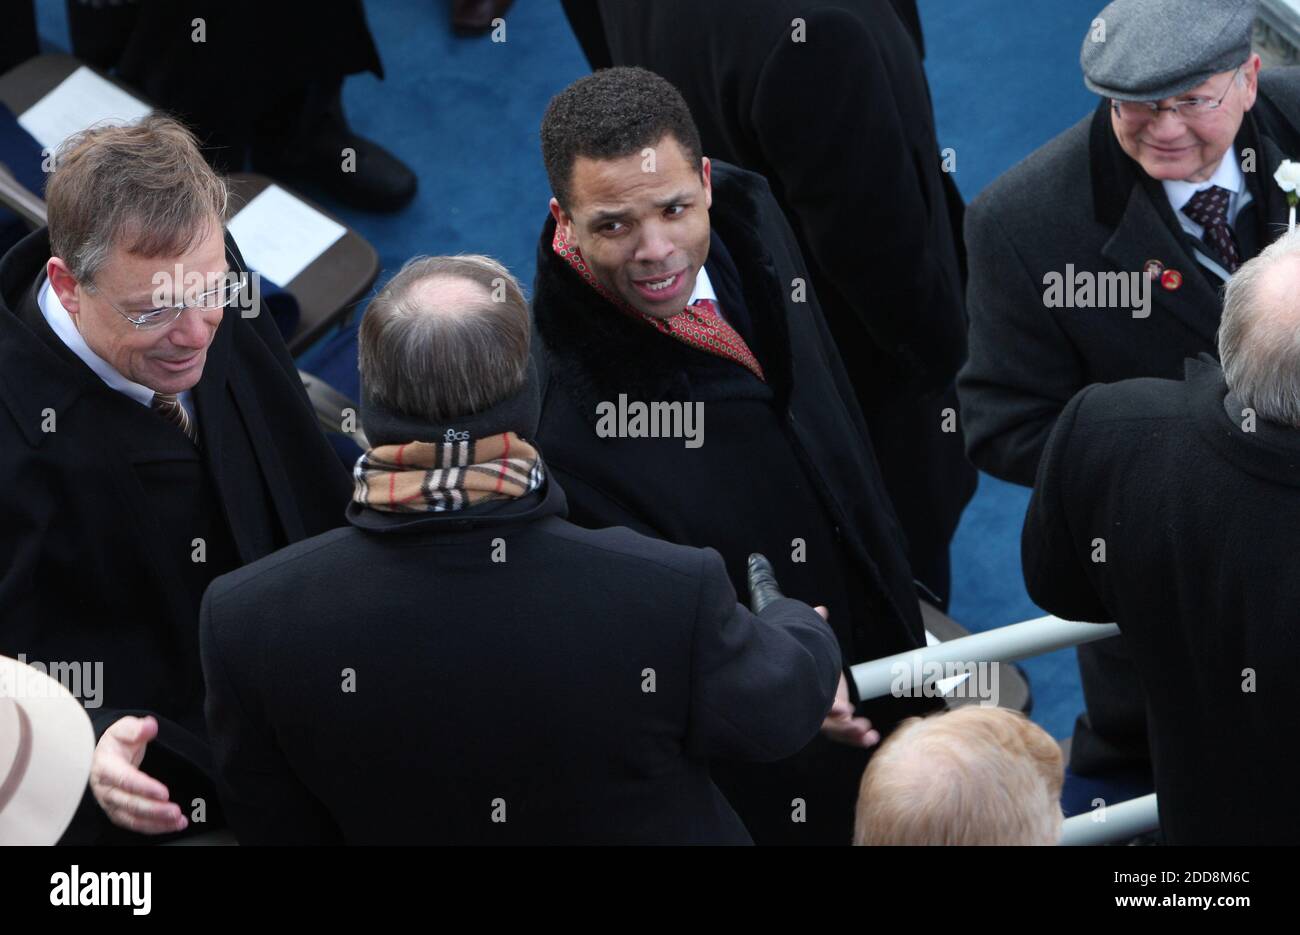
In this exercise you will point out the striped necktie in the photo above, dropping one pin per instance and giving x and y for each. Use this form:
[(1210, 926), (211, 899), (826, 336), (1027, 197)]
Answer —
[(168, 405)]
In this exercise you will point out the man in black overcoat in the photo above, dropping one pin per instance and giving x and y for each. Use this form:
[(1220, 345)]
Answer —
[(670, 281), (145, 448), (460, 665), (829, 102), (1170, 507), (256, 81), (1088, 263)]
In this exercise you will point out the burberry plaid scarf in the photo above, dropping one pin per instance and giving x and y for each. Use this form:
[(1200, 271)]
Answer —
[(450, 475), (699, 326)]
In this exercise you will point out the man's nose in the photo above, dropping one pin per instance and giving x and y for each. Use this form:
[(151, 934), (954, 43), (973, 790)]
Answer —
[(193, 329), (655, 245), (1166, 125)]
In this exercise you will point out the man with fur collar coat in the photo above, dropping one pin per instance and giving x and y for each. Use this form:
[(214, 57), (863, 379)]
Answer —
[(691, 391)]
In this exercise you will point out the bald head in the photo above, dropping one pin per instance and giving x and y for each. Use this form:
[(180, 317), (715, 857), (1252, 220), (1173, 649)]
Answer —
[(446, 294), (971, 776), (1259, 333), (447, 337)]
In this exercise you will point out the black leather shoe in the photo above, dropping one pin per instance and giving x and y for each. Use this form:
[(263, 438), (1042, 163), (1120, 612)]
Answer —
[(763, 589), (475, 16), (330, 156)]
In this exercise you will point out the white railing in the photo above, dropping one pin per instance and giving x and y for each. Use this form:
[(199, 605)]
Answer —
[(1024, 640), (1118, 822), (1005, 644)]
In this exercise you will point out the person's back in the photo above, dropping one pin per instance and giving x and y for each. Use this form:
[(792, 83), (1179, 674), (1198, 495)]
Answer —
[(547, 698), (1170, 508), (462, 665)]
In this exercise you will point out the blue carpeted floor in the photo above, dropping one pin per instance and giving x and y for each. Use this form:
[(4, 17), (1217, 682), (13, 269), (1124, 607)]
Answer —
[(464, 113)]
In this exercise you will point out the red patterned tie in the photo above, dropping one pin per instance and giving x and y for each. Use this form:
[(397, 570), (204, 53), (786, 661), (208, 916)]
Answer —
[(700, 325)]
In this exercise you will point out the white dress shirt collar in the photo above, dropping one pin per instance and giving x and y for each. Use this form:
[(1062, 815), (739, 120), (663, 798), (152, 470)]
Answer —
[(703, 289), (1227, 176)]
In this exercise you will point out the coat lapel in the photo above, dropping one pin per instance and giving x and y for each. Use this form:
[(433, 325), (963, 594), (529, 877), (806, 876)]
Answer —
[(266, 454), (1144, 235), (1146, 229), (210, 401), (227, 403)]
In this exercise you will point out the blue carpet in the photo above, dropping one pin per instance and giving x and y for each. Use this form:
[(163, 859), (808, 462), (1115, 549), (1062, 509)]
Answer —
[(464, 113), (1005, 79)]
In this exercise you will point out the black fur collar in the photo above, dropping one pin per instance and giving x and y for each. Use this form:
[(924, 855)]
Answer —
[(596, 351)]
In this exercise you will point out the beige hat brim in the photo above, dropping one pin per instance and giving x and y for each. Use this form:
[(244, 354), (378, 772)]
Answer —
[(46, 746)]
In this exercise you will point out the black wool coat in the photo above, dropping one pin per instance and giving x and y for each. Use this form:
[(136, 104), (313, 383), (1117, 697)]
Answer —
[(1198, 519), (517, 680), (1080, 204), (788, 461), (93, 566), (842, 126)]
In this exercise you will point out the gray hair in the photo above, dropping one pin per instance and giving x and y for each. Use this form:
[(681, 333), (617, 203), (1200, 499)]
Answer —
[(436, 364), (145, 187), (1259, 337)]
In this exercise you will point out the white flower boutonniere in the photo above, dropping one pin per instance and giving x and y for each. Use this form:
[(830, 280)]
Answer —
[(1287, 177)]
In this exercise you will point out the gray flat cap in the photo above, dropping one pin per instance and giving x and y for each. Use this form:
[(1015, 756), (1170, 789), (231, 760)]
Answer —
[(1154, 49)]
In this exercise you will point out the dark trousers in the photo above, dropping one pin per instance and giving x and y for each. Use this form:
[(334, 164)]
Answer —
[(238, 83)]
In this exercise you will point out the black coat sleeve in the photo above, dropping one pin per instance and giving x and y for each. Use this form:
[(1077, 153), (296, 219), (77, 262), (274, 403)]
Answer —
[(847, 172), (760, 685), (1055, 553), (263, 801), (1022, 368)]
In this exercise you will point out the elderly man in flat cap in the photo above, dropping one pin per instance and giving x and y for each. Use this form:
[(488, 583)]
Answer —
[(1102, 256)]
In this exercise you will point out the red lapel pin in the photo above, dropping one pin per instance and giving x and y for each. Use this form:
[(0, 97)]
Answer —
[(1171, 279)]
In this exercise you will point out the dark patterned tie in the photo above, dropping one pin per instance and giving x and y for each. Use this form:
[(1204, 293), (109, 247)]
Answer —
[(168, 405), (1210, 210)]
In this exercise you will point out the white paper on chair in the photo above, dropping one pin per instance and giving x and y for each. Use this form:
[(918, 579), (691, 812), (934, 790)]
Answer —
[(81, 100), (280, 235)]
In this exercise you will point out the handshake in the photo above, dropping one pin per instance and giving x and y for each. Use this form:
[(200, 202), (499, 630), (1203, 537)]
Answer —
[(840, 724)]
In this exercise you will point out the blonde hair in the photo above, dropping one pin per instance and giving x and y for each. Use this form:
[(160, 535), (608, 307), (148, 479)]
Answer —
[(971, 776), (144, 187)]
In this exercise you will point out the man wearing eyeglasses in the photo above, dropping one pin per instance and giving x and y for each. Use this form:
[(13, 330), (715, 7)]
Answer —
[(154, 434), (1102, 257)]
